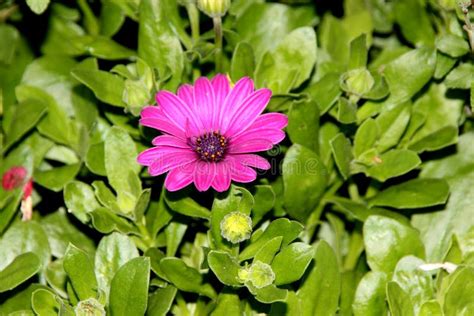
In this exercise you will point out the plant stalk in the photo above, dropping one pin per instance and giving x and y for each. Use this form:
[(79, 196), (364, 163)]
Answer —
[(218, 42)]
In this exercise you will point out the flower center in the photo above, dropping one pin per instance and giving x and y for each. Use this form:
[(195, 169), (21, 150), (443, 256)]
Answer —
[(210, 146)]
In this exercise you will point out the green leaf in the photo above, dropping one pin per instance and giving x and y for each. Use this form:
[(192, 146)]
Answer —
[(129, 288), (111, 18), (105, 221), (414, 22), (415, 282), (444, 64), (10, 37), (160, 301), (264, 197), (342, 151), (291, 262), (346, 111), (264, 25), (303, 124), (80, 200), (105, 48), (319, 292), (452, 45), (278, 71), (268, 294), (370, 295), (400, 240), (180, 203), (224, 267), (289, 230), (157, 43), (268, 250), (460, 77), (112, 253), (18, 271), (122, 173), (442, 116), (56, 179), (26, 116), (394, 163), (325, 92), (305, 179), (38, 6), (459, 298), (415, 67), (56, 277), (227, 304), (80, 271), (61, 232), (437, 227), (413, 194), (185, 278), (431, 308), (391, 126), (365, 137), (243, 62), (398, 300), (174, 233), (106, 86), (24, 237), (359, 52), (45, 303)]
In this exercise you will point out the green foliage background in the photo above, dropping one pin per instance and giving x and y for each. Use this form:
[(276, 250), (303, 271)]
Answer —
[(374, 180)]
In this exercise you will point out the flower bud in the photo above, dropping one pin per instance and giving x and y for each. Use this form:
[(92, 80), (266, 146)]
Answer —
[(357, 81), (214, 8), (236, 227), (260, 274), (89, 307)]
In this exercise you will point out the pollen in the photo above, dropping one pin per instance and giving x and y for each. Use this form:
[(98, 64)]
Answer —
[(210, 146)]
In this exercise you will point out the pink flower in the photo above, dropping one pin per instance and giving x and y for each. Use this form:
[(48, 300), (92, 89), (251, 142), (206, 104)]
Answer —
[(211, 132), (16, 177)]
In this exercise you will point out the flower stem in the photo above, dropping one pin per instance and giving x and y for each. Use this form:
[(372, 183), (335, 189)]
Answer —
[(193, 15), (218, 42), (468, 27)]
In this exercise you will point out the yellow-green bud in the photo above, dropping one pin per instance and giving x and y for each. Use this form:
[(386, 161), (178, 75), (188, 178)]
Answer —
[(358, 81), (89, 307), (260, 274), (214, 8), (236, 227)]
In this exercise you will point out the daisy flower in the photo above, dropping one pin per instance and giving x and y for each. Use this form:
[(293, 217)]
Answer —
[(210, 133)]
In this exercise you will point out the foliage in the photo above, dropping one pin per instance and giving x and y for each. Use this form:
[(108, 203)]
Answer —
[(374, 180)]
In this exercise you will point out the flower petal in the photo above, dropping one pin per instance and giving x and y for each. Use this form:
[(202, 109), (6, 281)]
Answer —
[(204, 102), (237, 95), (153, 116), (248, 112), (169, 140), (177, 111), (270, 120), (204, 173), (221, 87), (255, 161), (179, 177), (222, 179), (272, 135), (171, 161), (186, 94), (241, 173), (253, 145)]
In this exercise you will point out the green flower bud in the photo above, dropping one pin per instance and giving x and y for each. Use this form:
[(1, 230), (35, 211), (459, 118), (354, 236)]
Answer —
[(260, 274), (214, 8), (357, 81), (243, 274), (89, 307), (236, 227)]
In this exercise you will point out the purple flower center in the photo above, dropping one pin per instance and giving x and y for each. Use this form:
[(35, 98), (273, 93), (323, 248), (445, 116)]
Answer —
[(210, 146)]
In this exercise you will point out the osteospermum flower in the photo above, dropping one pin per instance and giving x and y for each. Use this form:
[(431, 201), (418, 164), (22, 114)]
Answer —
[(211, 132), (14, 178)]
